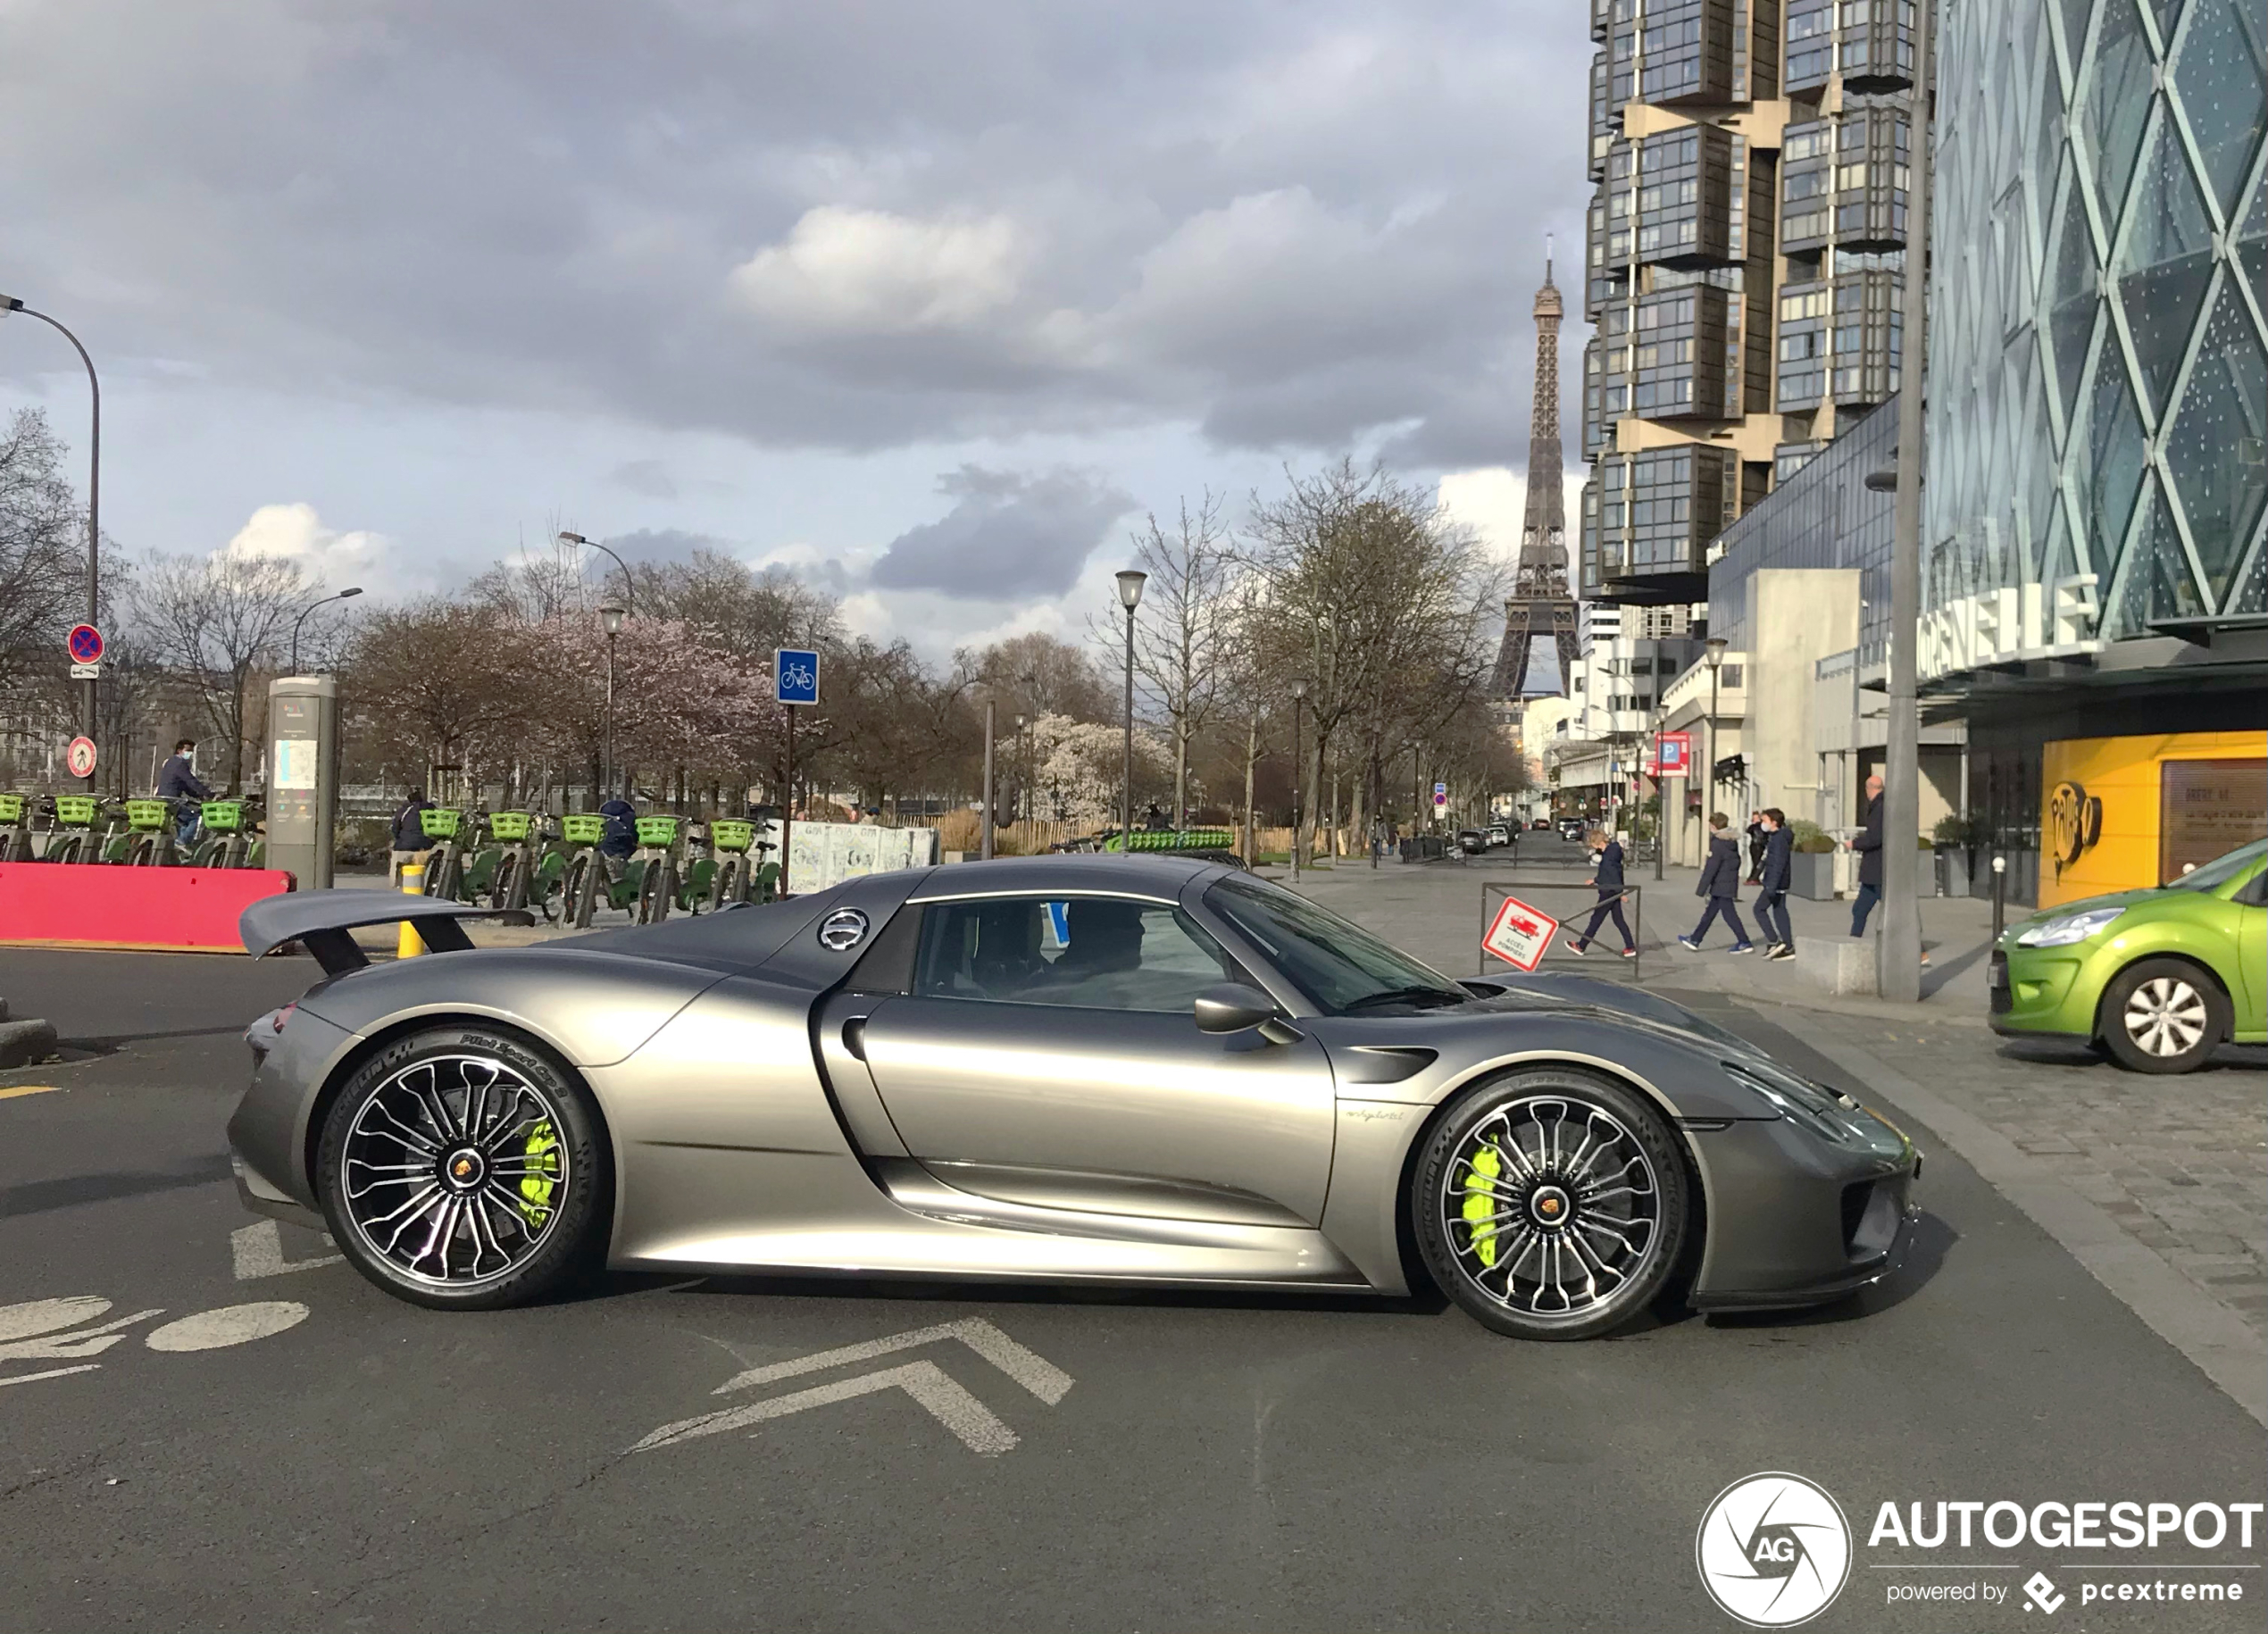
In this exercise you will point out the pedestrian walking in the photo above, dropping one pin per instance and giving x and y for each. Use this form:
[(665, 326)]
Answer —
[(1757, 836), (1721, 884), (410, 845), (1607, 874), (1868, 846), (1772, 884)]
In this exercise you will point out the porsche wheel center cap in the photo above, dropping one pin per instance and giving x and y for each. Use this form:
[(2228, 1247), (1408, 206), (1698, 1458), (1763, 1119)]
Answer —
[(465, 1169), (1549, 1206)]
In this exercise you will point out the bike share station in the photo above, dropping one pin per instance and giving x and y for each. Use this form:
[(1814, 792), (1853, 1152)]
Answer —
[(75, 895)]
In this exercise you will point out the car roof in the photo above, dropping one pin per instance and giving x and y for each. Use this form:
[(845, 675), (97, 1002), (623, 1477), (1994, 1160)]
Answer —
[(1162, 875)]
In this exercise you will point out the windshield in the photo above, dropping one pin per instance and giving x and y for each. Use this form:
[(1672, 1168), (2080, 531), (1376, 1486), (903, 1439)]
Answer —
[(1334, 961), (2212, 876)]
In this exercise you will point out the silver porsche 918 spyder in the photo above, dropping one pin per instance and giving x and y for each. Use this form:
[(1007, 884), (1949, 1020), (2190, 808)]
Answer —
[(1069, 1070)]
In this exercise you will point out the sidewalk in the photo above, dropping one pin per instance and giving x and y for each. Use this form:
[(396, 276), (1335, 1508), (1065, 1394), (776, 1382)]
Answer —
[(2179, 1166)]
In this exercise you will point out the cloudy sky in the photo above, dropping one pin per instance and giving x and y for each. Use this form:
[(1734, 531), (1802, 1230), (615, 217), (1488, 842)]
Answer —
[(930, 299)]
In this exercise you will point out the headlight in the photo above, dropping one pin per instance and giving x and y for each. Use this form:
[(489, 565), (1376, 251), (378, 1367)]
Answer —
[(2071, 928), (1798, 1100)]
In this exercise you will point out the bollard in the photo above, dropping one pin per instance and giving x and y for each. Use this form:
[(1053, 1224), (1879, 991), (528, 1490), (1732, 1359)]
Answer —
[(1999, 899), (412, 885)]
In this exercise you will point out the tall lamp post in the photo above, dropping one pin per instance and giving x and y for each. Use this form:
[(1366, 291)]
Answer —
[(1298, 696), (610, 615), (9, 304), (1130, 594), (348, 594), (629, 585), (1661, 783), (1714, 647), (984, 828), (1021, 808)]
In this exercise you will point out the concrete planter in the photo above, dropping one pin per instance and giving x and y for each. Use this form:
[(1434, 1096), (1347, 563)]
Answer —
[(1812, 875), (1952, 873)]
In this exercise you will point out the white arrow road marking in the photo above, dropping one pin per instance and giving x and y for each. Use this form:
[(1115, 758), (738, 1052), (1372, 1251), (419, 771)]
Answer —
[(257, 1251), (1035, 1372), (234, 1324), (925, 1381)]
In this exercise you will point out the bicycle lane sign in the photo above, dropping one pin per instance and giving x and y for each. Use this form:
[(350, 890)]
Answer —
[(795, 676)]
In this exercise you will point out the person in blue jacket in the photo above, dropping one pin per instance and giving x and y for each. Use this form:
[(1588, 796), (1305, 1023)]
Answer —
[(1721, 884), (1773, 879), (621, 837), (1607, 876)]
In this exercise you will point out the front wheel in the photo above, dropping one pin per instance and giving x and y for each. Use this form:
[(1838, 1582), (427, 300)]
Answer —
[(1551, 1203), (2163, 1015), (465, 1169), (505, 882)]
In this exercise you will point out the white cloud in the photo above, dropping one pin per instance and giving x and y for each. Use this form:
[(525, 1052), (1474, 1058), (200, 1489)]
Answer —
[(296, 533), (1491, 500), (849, 271)]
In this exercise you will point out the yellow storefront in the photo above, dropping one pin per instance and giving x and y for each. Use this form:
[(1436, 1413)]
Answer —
[(2122, 812)]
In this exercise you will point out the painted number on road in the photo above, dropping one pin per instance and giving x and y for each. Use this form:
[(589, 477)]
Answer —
[(1520, 934)]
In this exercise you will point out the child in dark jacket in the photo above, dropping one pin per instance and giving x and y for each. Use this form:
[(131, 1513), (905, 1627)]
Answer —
[(1720, 884), (1772, 884)]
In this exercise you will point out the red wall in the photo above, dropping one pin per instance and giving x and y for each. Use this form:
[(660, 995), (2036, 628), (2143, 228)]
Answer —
[(87, 905)]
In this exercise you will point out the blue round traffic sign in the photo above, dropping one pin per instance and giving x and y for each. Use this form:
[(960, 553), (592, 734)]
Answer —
[(86, 644)]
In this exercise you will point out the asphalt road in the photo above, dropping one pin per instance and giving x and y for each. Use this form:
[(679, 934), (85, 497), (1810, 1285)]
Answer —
[(330, 1458)]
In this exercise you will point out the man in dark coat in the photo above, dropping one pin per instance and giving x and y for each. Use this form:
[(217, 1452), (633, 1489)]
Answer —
[(1772, 880), (410, 844), (1721, 884), (1608, 878), (1868, 846), (177, 782), (1757, 836)]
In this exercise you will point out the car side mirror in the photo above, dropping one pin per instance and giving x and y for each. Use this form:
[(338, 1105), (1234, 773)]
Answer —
[(1232, 1008)]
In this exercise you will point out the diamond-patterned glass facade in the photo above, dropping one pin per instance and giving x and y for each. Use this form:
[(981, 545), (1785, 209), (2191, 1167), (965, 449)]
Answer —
[(2098, 352)]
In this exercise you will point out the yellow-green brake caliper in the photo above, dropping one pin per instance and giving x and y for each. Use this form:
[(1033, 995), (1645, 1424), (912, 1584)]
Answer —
[(1481, 1195), (543, 1173)]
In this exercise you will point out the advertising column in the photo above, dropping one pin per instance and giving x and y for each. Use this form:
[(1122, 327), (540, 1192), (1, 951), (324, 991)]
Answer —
[(302, 776)]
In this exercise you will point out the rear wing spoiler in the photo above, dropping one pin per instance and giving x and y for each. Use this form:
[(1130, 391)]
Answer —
[(322, 919)]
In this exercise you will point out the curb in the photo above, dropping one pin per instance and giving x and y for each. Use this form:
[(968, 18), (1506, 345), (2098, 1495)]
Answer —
[(2215, 1338)]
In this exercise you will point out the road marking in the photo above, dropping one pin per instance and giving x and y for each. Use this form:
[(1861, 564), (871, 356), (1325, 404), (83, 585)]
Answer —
[(13, 1090), (949, 1403), (53, 1372), (257, 1251), (235, 1324), (1036, 1373), (36, 1338), (925, 1381)]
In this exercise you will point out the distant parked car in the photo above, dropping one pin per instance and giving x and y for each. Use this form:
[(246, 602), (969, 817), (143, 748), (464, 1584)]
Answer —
[(2160, 978), (1499, 834), (1570, 828), (1472, 842), (1543, 823)]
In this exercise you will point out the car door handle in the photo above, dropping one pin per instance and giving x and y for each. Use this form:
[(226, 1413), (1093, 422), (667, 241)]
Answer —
[(854, 1036)]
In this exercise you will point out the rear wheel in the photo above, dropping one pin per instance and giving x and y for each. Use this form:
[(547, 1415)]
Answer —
[(1551, 1203), (505, 882), (465, 1169), (2163, 1015), (143, 852)]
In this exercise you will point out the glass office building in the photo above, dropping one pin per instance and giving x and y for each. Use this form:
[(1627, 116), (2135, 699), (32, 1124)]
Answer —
[(2098, 359), (2097, 412)]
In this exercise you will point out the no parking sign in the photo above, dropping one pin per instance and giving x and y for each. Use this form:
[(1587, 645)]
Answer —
[(1520, 934)]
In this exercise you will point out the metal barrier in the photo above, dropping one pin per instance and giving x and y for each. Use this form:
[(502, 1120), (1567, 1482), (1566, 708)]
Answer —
[(1572, 905)]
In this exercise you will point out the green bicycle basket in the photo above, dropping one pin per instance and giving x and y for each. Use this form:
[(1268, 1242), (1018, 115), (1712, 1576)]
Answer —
[(75, 811), (510, 825), (439, 821), (729, 834), (222, 816), (657, 833), (148, 816), (11, 808), (1167, 840), (582, 827)]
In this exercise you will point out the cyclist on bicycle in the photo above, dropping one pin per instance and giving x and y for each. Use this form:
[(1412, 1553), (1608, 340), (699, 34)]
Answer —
[(177, 782)]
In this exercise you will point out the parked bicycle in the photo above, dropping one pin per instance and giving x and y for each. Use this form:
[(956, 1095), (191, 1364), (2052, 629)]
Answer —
[(15, 828), (740, 874), (524, 873), (653, 868), (590, 873), (73, 836), (444, 863), (231, 836), (152, 831)]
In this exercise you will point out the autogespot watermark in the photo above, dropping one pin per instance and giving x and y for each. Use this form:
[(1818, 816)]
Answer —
[(1774, 1550)]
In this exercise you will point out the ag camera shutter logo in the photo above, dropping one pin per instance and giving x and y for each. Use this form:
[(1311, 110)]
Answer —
[(1773, 1550)]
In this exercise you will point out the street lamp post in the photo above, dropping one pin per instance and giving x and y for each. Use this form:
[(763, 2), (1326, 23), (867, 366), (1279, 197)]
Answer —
[(9, 304), (1130, 594), (1021, 806), (1298, 696), (610, 615), (629, 585), (1716, 647), (984, 826), (1661, 783), (347, 593)]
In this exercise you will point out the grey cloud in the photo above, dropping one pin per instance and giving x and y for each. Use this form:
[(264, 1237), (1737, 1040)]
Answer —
[(665, 545), (1007, 537), (1294, 222), (650, 478)]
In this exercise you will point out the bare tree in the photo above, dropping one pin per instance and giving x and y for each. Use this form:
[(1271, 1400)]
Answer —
[(42, 566), (215, 620), (1186, 629), (1036, 674)]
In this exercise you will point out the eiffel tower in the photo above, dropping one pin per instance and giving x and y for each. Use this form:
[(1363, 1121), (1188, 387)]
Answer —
[(1540, 604)]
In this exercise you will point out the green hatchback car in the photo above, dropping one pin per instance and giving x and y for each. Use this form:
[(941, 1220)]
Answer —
[(2160, 978)]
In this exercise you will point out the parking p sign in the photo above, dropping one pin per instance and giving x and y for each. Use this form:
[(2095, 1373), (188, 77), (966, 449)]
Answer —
[(1520, 934)]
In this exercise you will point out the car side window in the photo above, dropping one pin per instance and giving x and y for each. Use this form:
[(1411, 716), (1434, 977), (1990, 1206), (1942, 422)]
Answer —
[(1093, 953)]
